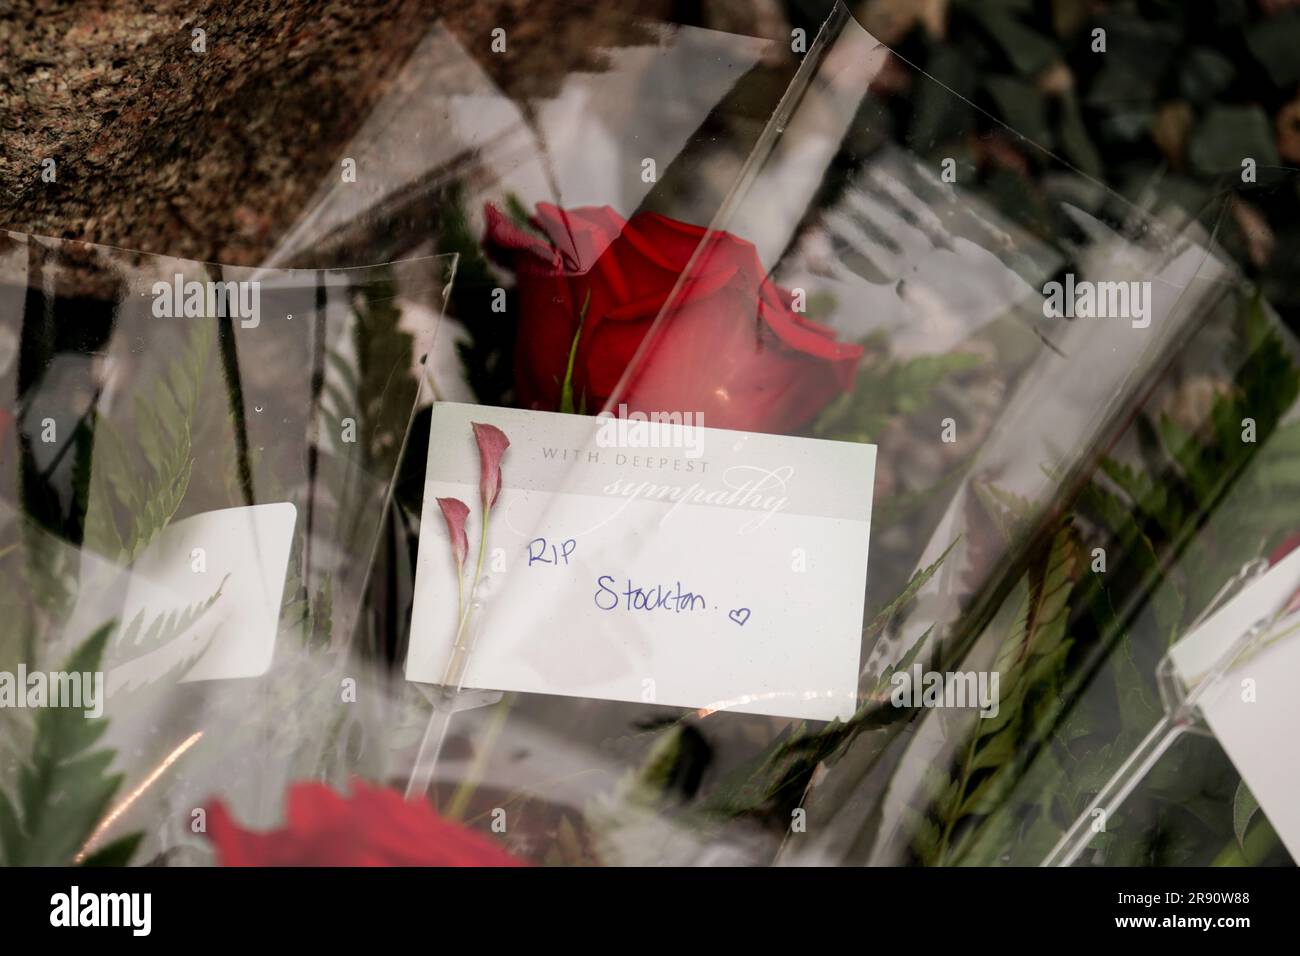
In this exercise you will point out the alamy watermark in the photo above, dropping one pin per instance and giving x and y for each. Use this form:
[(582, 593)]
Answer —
[(75, 908), (683, 430), (1098, 300), (194, 299), (960, 689), (70, 689)]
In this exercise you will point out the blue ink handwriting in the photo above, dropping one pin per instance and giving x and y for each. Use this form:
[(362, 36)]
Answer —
[(538, 549), (659, 597)]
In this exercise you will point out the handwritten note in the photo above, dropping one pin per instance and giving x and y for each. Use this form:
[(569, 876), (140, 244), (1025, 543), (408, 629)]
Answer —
[(724, 572)]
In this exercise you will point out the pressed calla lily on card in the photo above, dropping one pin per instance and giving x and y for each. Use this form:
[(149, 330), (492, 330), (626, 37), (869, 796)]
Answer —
[(646, 575), (492, 444), (455, 512)]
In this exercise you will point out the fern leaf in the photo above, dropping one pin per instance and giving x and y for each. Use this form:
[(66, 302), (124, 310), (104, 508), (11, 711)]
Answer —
[(1030, 663), (117, 853), (918, 580), (777, 779), (148, 488), (165, 627), (64, 787)]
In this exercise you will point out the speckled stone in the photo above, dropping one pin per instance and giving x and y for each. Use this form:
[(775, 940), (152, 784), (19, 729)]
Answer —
[(160, 148), (213, 155)]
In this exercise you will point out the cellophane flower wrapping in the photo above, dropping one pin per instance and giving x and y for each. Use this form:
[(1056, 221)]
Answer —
[(798, 233)]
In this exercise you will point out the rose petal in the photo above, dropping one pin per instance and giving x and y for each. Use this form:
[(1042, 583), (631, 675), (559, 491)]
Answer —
[(504, 240), (582, 234), (733, 348), (374, 827)]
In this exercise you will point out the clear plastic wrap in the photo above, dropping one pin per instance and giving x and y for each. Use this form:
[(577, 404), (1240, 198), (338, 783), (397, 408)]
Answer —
[(799, 235)]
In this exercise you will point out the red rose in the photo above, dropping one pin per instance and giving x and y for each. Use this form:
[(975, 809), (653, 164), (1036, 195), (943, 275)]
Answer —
[(1285, 547), (734, 351), (375, 827)]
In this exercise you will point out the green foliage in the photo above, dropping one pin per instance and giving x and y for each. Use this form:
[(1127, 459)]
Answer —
[(487, 356), (117, 853), (885, 616), (1031, 664), (321, 616), (129, 490), (1244, 808), (1152, 513), (135, 490), (382, 391), (310, 615), (163, 628), (63, 787), (566, 387), (1175, 526), (661, 769), (886, 389), (772, 784), (373, 382), (375, 385), (49, 582)]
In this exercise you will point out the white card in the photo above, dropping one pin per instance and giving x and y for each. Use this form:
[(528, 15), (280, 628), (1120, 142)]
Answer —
[(1255, 723), (1195, 654), (241, 554), (716, 570)]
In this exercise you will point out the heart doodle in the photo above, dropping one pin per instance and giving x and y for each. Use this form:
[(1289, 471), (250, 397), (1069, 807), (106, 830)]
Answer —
[(740, 615)]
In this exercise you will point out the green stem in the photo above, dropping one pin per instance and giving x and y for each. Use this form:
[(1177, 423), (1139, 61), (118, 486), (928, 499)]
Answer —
[(460, 599), (453, 676), (478, 568), (566, 387), (1260, 841), (460, 799)]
